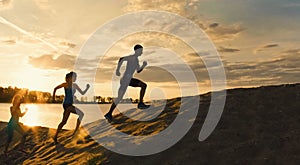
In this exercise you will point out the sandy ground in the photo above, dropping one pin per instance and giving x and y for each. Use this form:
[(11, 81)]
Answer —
[(258, 126)]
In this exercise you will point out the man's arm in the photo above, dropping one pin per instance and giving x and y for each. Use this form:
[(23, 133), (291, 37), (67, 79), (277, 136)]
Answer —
[(140, 69), (121, 60)]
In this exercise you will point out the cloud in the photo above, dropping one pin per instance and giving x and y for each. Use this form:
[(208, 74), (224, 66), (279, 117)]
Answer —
[(185, 72), (104, 75), (177, 6), (42, 4), (265, 47), (291, 52), (150, 74), (204, 60), (158, 74), (227, 50), (9, 42), (270, 46), (64, 61), (221, 33), (48, 61), (5, 4), (282, 69), (192, 56), (26, 33), (189, 10), (213, 25), (68, 44)]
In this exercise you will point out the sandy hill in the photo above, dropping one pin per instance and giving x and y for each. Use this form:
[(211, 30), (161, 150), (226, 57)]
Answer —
[(258, 126)]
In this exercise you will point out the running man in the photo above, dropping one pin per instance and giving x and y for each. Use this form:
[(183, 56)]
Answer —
[(70, 89), (127, 80)]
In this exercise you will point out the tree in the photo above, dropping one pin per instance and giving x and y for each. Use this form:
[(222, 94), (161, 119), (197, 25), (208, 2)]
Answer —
[(102, 99), (109, 99), (97, 99)]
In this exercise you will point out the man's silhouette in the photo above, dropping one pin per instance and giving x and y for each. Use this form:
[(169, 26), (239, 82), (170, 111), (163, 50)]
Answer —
[(127, 80)]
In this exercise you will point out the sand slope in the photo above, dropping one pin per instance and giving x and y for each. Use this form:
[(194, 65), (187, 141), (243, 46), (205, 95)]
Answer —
[(258, 126)]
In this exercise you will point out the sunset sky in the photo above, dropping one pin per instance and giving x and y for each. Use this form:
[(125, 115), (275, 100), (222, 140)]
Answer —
[(40, 40)]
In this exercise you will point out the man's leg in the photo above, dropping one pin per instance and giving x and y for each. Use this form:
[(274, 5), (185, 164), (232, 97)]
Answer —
[(143, 91), (138, 83), (116, 101)]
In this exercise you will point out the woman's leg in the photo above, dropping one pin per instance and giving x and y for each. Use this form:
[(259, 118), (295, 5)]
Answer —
[(80, 114), (62, 123), (21, 131), (10, 132)]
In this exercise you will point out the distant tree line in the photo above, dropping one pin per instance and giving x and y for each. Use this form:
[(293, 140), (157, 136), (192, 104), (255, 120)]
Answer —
[(108, 100), (6, 95)]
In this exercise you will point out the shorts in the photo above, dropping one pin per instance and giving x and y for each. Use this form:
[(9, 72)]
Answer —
[(66, 106), (135, 82), (132, 82)]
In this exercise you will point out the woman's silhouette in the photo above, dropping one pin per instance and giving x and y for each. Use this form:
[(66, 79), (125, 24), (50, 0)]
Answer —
[(70, 88), (13, 123)]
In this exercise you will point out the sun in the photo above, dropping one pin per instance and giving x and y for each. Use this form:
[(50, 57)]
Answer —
[(31, 118)]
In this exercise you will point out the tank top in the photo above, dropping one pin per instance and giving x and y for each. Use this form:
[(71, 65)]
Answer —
[(69, 94)]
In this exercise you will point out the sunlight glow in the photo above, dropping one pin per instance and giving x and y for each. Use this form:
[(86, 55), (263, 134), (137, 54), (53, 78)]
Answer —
[(31, 118)]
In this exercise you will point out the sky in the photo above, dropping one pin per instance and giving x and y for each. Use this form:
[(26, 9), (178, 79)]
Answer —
[(42, 40)]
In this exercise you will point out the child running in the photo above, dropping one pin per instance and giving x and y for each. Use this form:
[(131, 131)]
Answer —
[(70, 88), (14, 124)]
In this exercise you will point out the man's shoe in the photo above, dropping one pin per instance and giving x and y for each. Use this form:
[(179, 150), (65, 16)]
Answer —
[(143, 106), (108, 117)]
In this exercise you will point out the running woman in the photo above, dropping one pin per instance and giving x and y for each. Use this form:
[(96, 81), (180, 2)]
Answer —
[(70, 88)]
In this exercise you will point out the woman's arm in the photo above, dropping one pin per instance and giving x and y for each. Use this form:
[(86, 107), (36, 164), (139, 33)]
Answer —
[(54, 91), (22, 114), (17, 111), (79, 90)]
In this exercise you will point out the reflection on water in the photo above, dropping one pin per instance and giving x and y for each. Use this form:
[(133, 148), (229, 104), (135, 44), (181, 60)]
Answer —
[(50, 115)]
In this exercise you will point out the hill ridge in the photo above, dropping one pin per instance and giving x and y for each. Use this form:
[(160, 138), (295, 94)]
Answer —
[(258, 126)]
